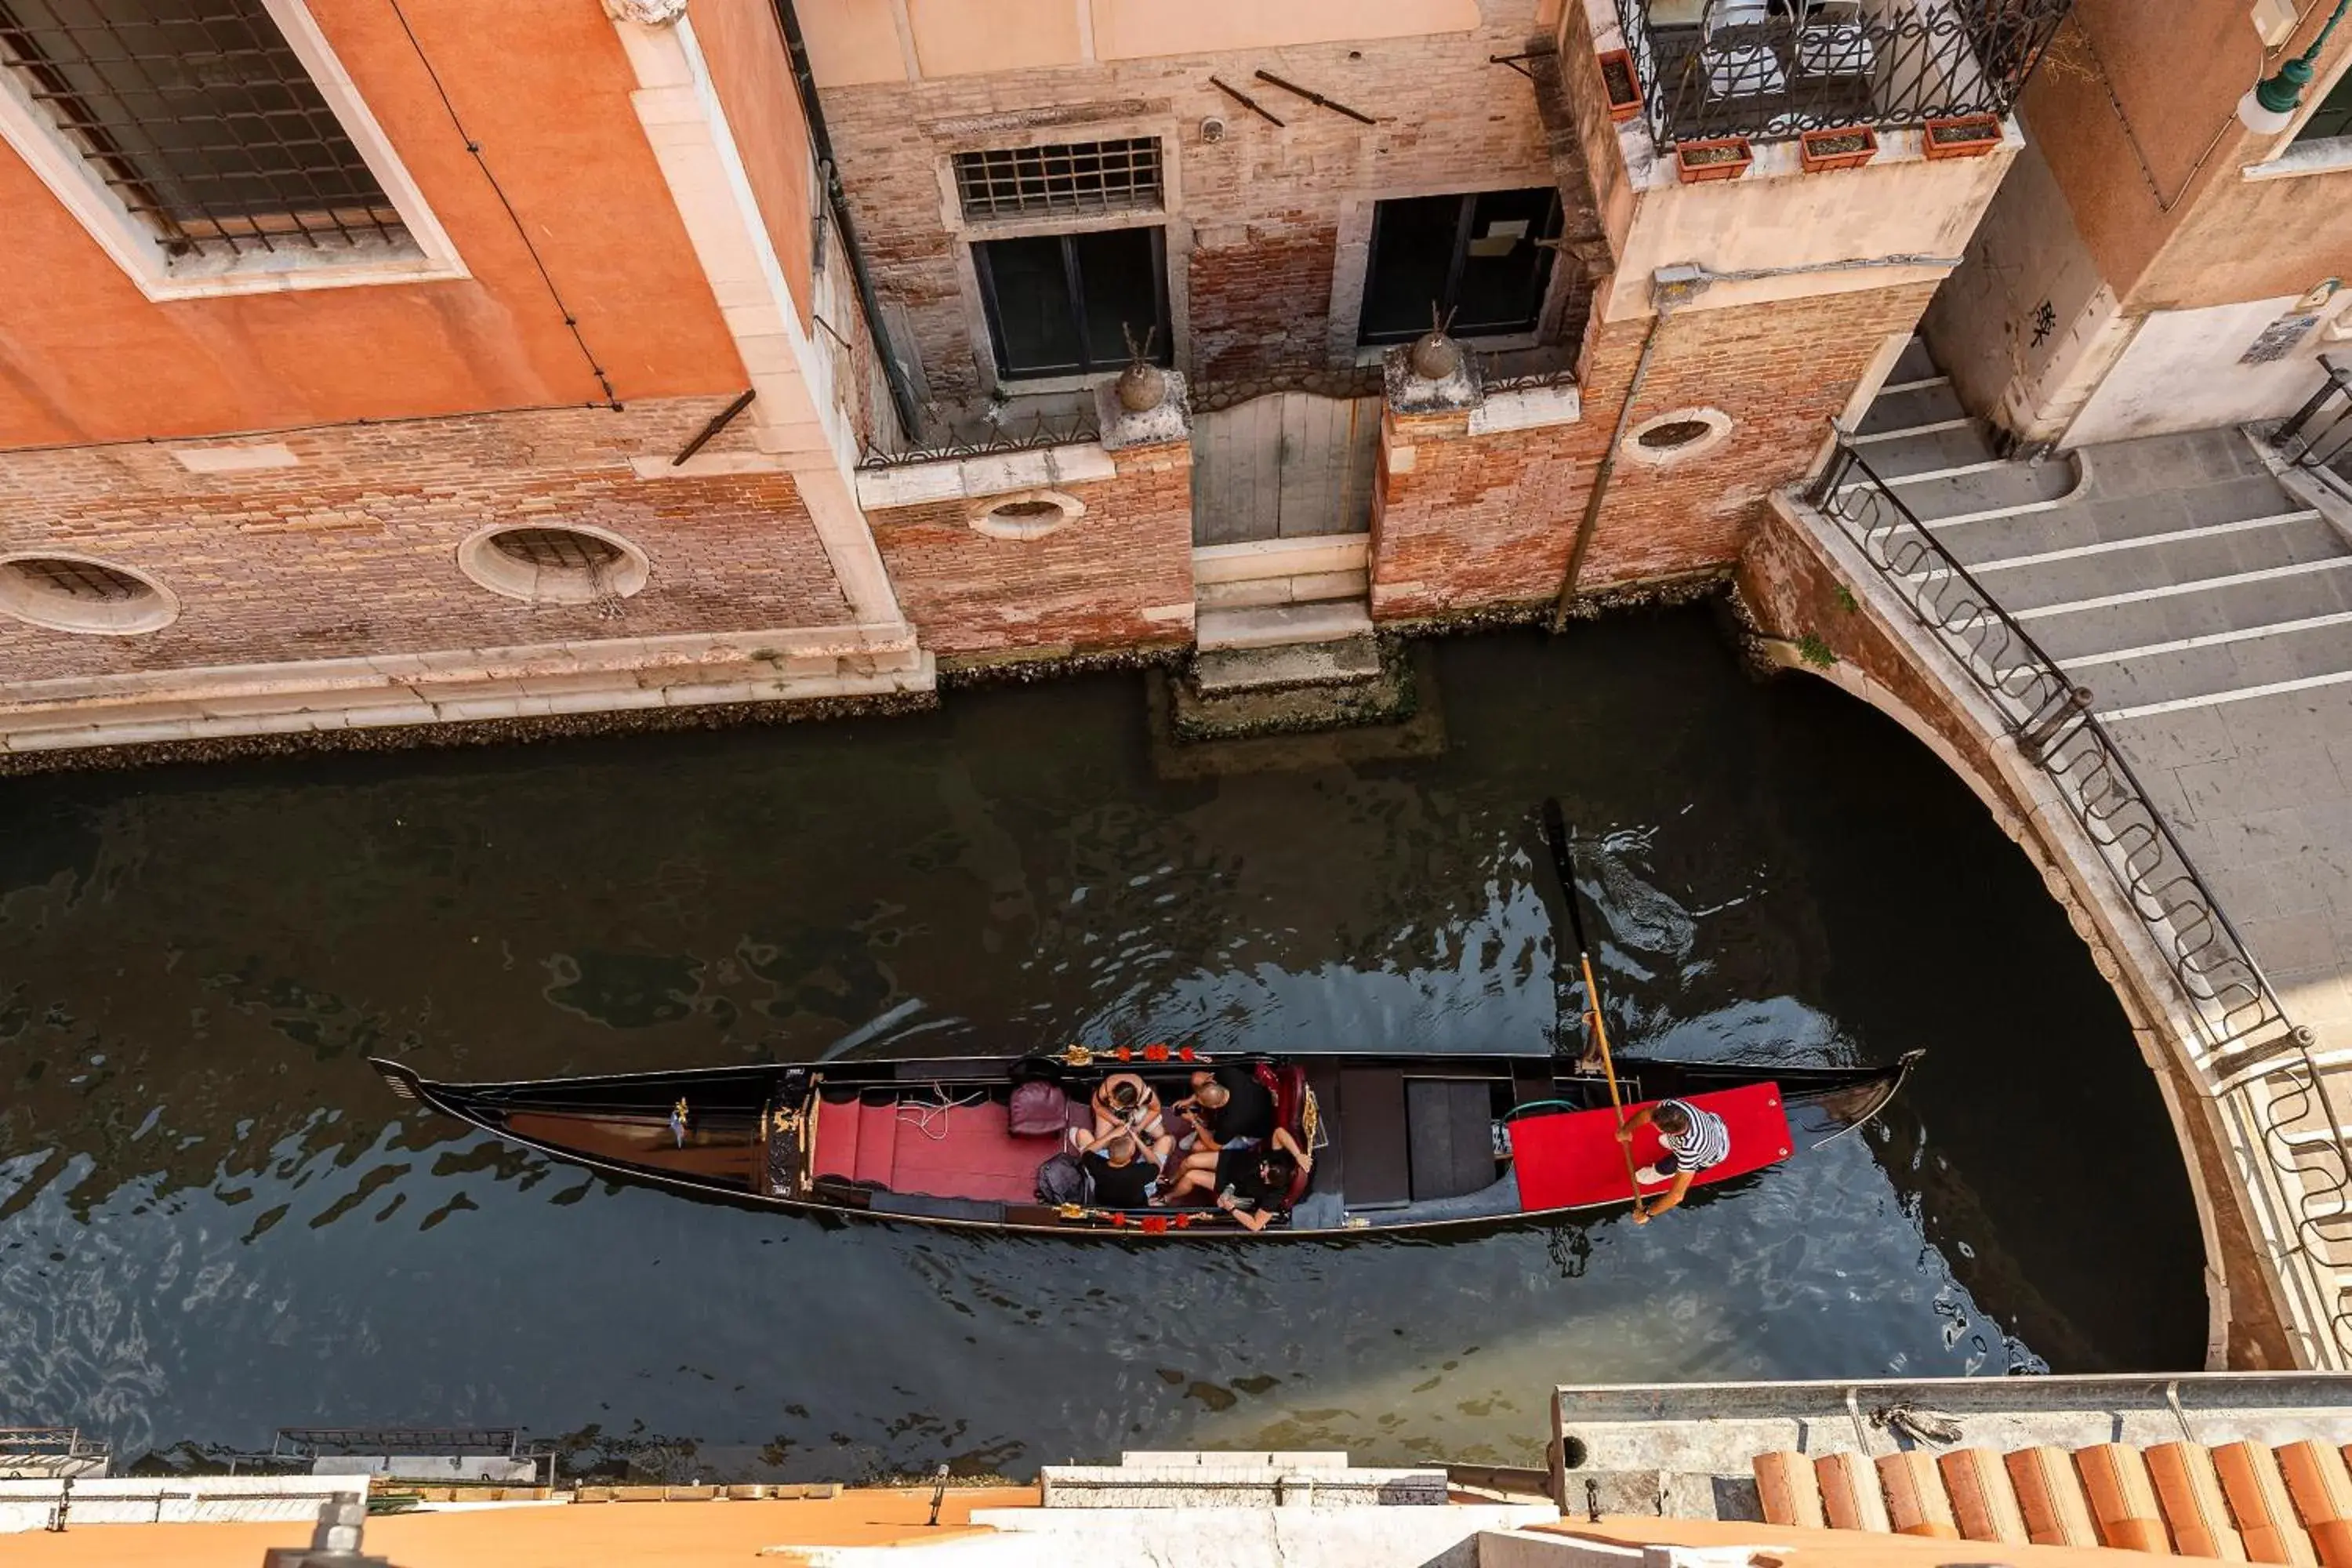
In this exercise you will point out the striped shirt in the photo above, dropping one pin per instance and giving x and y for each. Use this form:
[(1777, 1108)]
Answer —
[(1707, 1143)]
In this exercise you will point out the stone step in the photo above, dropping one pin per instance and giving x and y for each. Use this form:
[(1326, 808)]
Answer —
[(1275, 626), (2041, 578), (1308, 588), (2096, 520), (1930, 451), (1223, 670), (1915, 364), (2242, 665), (1932, 403), (2213, 611), (1983, 494)]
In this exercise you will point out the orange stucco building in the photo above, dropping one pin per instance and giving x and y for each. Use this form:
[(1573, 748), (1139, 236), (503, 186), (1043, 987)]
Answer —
[(2151, 237), (407, 366)]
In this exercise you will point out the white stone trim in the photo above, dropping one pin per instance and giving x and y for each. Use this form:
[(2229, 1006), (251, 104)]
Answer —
[(236, 459), (1527, 409), (989, 517), (2329, 155), (797, 417), (1718, 431), (480, 558), (108, 618), (134, 247), (997, 474)]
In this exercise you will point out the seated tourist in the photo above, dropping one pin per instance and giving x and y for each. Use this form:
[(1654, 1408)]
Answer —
[(1122, 1177), (1125, 1104), (1252, 1182), (1124, 1101), (1228, 1108)]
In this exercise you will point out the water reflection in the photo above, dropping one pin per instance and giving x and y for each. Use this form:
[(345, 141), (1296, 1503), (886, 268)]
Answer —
[(213, 1221)]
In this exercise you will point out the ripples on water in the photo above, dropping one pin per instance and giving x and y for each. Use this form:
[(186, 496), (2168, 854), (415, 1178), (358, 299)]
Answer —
[(213, 1221)]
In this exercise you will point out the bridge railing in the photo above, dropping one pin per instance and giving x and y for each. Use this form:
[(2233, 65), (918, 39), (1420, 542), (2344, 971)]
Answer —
[(2258, 1066)]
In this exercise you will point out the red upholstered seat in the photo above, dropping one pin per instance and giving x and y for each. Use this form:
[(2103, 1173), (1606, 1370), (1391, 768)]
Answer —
[(919, 1146)]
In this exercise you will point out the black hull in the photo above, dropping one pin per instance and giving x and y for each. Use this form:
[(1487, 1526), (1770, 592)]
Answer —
[(731, 1134)]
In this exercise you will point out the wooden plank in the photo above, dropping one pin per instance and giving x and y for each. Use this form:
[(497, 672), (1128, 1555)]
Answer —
[(1331, 1160), (1363, 465), (1450, 1146), (1372, 1105)]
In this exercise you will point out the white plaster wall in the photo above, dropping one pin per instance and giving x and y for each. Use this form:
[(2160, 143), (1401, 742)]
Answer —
[(2181, 373), (1779, 217)]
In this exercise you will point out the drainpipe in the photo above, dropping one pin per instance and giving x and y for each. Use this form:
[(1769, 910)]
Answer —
[(902, 395), (1669, 287)]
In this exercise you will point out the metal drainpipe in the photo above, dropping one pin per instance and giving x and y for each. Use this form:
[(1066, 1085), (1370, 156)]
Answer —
[(902, 396), (1591, 522)]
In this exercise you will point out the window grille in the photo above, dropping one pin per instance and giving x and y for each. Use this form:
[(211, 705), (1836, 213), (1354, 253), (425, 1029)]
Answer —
[(556, 549), (202, 120), (1081, 177), (84, 580)]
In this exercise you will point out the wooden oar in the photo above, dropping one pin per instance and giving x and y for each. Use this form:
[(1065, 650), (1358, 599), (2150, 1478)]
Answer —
[(1563, 861)]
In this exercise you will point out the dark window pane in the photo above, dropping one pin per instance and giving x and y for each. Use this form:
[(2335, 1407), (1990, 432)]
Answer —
[(200, 117), (1034, 316), (1504, 269), (1412, 257), (1118, 271), (2333, 118)]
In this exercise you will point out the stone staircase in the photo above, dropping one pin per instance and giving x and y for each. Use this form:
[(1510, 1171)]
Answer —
[(2237, 1502), (2208, 612), (1283, 631), (2170, 574)]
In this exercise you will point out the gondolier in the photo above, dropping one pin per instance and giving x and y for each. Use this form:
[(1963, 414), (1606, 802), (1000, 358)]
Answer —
[(1695, 1141)]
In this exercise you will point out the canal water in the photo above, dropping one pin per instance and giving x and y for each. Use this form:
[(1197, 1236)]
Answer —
[(214, 1220)]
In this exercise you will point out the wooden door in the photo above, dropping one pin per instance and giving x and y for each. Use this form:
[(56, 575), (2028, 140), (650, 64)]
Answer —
[(1285, 466)]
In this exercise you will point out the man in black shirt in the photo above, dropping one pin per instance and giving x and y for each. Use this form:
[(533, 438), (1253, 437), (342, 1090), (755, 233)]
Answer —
[(1228, 1108), (1122, 1177)]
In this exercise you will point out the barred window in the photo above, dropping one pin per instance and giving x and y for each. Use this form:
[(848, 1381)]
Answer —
[(201, 120), (1079, 177)]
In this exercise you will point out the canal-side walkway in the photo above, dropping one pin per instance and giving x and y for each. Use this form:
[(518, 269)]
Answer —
[(2200, 609)]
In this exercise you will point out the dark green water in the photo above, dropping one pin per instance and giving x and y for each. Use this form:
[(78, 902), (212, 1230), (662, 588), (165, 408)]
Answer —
[(213, 1221)]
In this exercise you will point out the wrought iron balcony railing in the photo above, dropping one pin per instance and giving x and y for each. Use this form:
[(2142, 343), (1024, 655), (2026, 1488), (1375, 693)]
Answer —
[(1770, 69)]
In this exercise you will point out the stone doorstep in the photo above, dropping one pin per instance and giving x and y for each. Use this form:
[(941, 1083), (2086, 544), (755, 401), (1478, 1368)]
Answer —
[(523, 659), (401, 706), (1222, 671), (1304, 589), (1278, 625), (1304, 556)]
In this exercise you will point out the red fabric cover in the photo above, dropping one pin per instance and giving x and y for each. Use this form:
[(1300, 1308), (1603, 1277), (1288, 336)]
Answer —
[(976, 1157), (874, 1133), (1570, 1159)]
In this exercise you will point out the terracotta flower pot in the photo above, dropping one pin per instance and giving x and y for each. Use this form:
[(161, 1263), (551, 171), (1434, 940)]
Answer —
[(1962, 136), (1720, 158), (1623, 85), (1839, 147)]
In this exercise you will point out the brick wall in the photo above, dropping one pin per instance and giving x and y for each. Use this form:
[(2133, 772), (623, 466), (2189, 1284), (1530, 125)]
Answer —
[(354, 550), (1470, 520), (1088, 586), (1260, 211)]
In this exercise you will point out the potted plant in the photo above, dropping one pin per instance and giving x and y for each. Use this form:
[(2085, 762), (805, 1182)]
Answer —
[(1837, 147), (1623, 87), (1962, 136), (1716, 158)]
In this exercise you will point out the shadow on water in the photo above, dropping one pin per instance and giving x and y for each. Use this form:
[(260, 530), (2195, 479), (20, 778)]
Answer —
[(212, 1221)]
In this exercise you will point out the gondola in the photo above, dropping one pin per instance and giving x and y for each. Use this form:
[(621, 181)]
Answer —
[(1401, 1143)]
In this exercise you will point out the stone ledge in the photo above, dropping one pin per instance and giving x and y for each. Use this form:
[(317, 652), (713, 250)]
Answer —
[(984, 474)]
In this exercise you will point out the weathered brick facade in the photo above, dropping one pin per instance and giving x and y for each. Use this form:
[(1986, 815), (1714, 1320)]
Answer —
[(353, 549), (1118, 577), (1463, 521), (1255, 221)]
